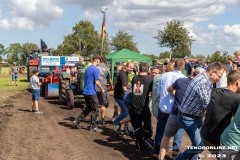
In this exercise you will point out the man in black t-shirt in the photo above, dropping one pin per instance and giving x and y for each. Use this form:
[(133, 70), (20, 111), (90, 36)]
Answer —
[(223, 105), (119, 89), (138, 108), (80, 64)]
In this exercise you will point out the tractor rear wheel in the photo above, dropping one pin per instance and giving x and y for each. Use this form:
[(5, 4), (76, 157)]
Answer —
[(30, 71), (70, 99), (63, 87)]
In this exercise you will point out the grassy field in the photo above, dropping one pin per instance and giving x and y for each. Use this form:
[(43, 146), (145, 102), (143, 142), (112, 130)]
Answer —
[(6, 87)]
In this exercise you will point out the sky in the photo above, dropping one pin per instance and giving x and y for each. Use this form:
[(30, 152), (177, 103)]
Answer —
[(213, 24)]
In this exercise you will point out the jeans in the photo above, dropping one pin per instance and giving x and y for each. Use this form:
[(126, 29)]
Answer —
[(124, 111), (177, 140), (127, 96), (192, 126), (161, 123)]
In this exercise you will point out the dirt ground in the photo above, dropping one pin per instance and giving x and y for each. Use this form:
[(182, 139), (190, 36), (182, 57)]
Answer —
[(25, 135)]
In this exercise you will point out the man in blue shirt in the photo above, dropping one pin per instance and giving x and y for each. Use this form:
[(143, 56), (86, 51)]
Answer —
[(91, 79), (193, 106), (166, 101)]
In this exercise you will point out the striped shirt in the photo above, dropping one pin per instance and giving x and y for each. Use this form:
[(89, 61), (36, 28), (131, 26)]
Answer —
[(197, 96)]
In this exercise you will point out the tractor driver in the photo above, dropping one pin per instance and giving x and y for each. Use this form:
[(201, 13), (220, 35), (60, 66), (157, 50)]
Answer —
[(80, 64)]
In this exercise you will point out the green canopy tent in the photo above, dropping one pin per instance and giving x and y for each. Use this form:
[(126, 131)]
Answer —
[(123, 56)]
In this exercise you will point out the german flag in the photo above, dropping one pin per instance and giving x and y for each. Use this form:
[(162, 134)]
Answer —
[(103, 33)]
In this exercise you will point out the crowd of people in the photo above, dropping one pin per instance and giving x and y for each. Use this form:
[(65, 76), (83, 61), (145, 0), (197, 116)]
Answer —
[(178, 94)]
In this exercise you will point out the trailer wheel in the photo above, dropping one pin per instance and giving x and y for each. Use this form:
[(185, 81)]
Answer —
[(63, 87), (30, 71), (70, 99)]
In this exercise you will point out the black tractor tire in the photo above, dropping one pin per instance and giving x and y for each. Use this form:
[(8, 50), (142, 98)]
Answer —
[(30, 71), (42, 90), (64, 85), (70, 99)]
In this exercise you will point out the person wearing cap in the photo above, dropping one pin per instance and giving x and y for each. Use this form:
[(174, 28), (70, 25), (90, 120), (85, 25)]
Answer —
[(188, 66), (35, 84), (14, 72), (177, 89)]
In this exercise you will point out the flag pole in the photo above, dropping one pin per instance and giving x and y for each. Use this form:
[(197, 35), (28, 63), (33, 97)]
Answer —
[(103, 32)]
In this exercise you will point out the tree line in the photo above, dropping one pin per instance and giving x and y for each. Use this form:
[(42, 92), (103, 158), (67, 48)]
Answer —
[(85, 41)]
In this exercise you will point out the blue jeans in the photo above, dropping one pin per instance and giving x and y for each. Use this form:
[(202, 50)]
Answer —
[(161, 123), (124, 111), (127, 96), (177, 140), (192, 126)]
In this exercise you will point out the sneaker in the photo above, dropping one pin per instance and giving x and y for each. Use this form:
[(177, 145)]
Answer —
[(38, 112), (140, 145), (76, 123), (117, 128), (150, 142), (126, 130), (175, 153), (95, 129)]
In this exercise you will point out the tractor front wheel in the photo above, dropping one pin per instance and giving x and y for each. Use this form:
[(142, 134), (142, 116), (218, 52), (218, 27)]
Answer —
[(63, 87), (70, 99)]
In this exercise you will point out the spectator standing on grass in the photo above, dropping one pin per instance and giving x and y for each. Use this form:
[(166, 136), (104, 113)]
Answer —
[(35, 84), (14, 72), (194, 103), (91, 80), (0, 69)]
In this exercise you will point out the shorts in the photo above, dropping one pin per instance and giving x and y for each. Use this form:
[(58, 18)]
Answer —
[(103, 99), (172, 126), (14, 77), (35, 94)]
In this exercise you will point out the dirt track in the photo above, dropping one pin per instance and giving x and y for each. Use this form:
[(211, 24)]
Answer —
[(50, 136)]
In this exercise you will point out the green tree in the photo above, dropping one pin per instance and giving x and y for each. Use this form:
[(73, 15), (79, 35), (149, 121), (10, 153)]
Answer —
[(123, 39), (174, 35), (14, 52), (152, 56), (1, 52), (1, 49), (84, 33), (217, 57), (163, 55), (200, 56), (181, 51)]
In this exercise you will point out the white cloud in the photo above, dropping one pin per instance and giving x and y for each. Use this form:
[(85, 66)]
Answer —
[(212, 27), (22, 23), (39, 11), (232, 31), (25, 13), (5, 24)]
